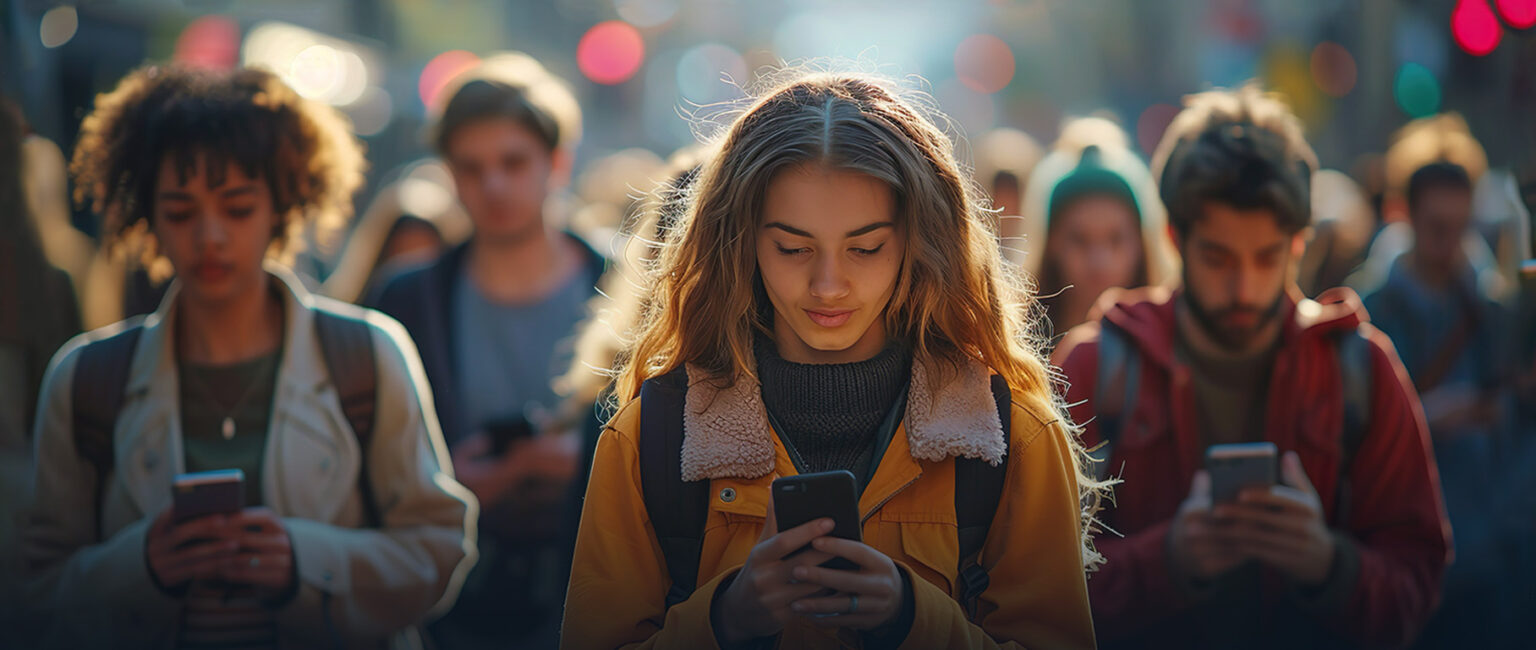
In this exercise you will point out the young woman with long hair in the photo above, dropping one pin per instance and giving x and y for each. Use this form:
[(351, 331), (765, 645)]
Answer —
[(834, 298)]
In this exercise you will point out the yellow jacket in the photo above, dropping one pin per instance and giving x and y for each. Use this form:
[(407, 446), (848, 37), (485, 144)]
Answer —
[(1038, 596)]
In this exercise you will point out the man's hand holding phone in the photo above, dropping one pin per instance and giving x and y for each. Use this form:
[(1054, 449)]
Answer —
[(1282, 526), (1198, 540)]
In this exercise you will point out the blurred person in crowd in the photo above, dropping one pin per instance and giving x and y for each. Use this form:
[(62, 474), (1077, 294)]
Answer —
[(1005, 161), (614, 312), (45, 177), (38, 314), (611, 191), (352, 529), (1342, 226), (1093, 206), (621, 304), (1453, 340), (410, 223), (1347, 549), (1440, 138), (834, 301), (493, 318)]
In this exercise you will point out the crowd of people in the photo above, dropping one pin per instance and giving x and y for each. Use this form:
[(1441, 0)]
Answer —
[(504, 417)]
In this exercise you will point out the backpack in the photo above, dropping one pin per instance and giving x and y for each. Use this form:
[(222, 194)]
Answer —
[(101, 377), (1119, 373), (678, 508)]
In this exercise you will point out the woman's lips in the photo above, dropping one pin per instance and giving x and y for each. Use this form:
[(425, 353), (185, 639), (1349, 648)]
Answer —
[(211, 271), (829, 318)]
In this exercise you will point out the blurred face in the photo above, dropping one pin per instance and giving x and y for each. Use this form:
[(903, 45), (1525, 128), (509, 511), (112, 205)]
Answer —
[(214, 236), (1440, 216), (829, 252), (1096, 244), (1235, 271), (503, 172)]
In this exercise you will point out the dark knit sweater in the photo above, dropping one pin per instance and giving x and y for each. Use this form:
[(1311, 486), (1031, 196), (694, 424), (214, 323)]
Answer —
[(829, 414)]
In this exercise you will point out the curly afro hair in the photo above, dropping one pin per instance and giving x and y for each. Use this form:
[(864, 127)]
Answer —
[(304, 151)]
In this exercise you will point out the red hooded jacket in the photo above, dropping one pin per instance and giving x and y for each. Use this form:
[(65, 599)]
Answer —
[(1394, 531)]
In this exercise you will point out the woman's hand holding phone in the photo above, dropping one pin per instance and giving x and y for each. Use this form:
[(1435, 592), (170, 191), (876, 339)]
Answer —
[(264, 559), (865, 599), (196, 549), (758, 601), (248, 548)]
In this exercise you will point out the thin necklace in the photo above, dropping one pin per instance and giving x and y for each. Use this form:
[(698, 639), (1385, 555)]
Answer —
[(227, 428)]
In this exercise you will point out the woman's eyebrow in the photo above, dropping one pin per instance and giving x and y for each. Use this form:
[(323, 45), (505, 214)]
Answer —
[(871, 228), (789, 229), (852, 233)]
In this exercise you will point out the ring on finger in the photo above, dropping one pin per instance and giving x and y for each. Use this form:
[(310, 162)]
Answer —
[(853, 604), (255, 561)]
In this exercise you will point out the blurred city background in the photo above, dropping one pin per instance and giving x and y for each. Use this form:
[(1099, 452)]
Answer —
[(1354, 71)]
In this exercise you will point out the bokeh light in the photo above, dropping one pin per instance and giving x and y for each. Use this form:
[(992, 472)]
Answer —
[(1333, 69), (710, 73), (58, 26), (805, 35), (420, 196), (973, 110), (1416, 90), (1475, 28), (1288, 71), (372, 112), (315, 72), (1151, 125), (441, 71), (209, 42), (646, 13), (1520, 14), (610, 53), (984, 63), (315, 65)]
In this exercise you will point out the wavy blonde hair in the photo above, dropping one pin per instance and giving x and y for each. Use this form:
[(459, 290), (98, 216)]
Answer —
[(954, 298)]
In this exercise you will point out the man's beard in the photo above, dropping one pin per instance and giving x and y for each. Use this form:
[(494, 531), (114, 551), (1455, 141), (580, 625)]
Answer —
[(1213, 322)]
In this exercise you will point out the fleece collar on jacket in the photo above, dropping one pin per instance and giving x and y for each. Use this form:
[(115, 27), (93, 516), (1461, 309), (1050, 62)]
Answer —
[(726, 432)]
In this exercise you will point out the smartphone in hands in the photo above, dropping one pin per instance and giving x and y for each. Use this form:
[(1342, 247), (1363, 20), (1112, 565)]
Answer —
[(806, 497), (217, 492), (1235, 467)]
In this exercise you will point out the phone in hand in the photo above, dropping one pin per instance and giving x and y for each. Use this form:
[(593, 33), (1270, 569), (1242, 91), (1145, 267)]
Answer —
[(806, 497), (1235, 467), (207, 493)]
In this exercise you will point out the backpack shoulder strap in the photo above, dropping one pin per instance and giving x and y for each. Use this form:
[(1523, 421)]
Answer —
[(1115, 393), (1353, 350), (677, 508), (978, 488), (101, 377), (347, 344)]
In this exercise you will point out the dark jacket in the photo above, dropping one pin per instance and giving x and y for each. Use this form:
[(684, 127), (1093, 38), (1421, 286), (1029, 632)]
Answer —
[(1392, 533), (422, 300)]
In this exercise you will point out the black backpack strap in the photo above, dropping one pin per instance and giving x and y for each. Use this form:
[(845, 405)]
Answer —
[(1355, 377), (978, 488), (1119, 378), (677, 508), (347, 344), (101, 377)]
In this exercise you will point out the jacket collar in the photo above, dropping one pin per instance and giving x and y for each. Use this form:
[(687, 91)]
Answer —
[(148, 433), (154, 359), (950, 413)]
